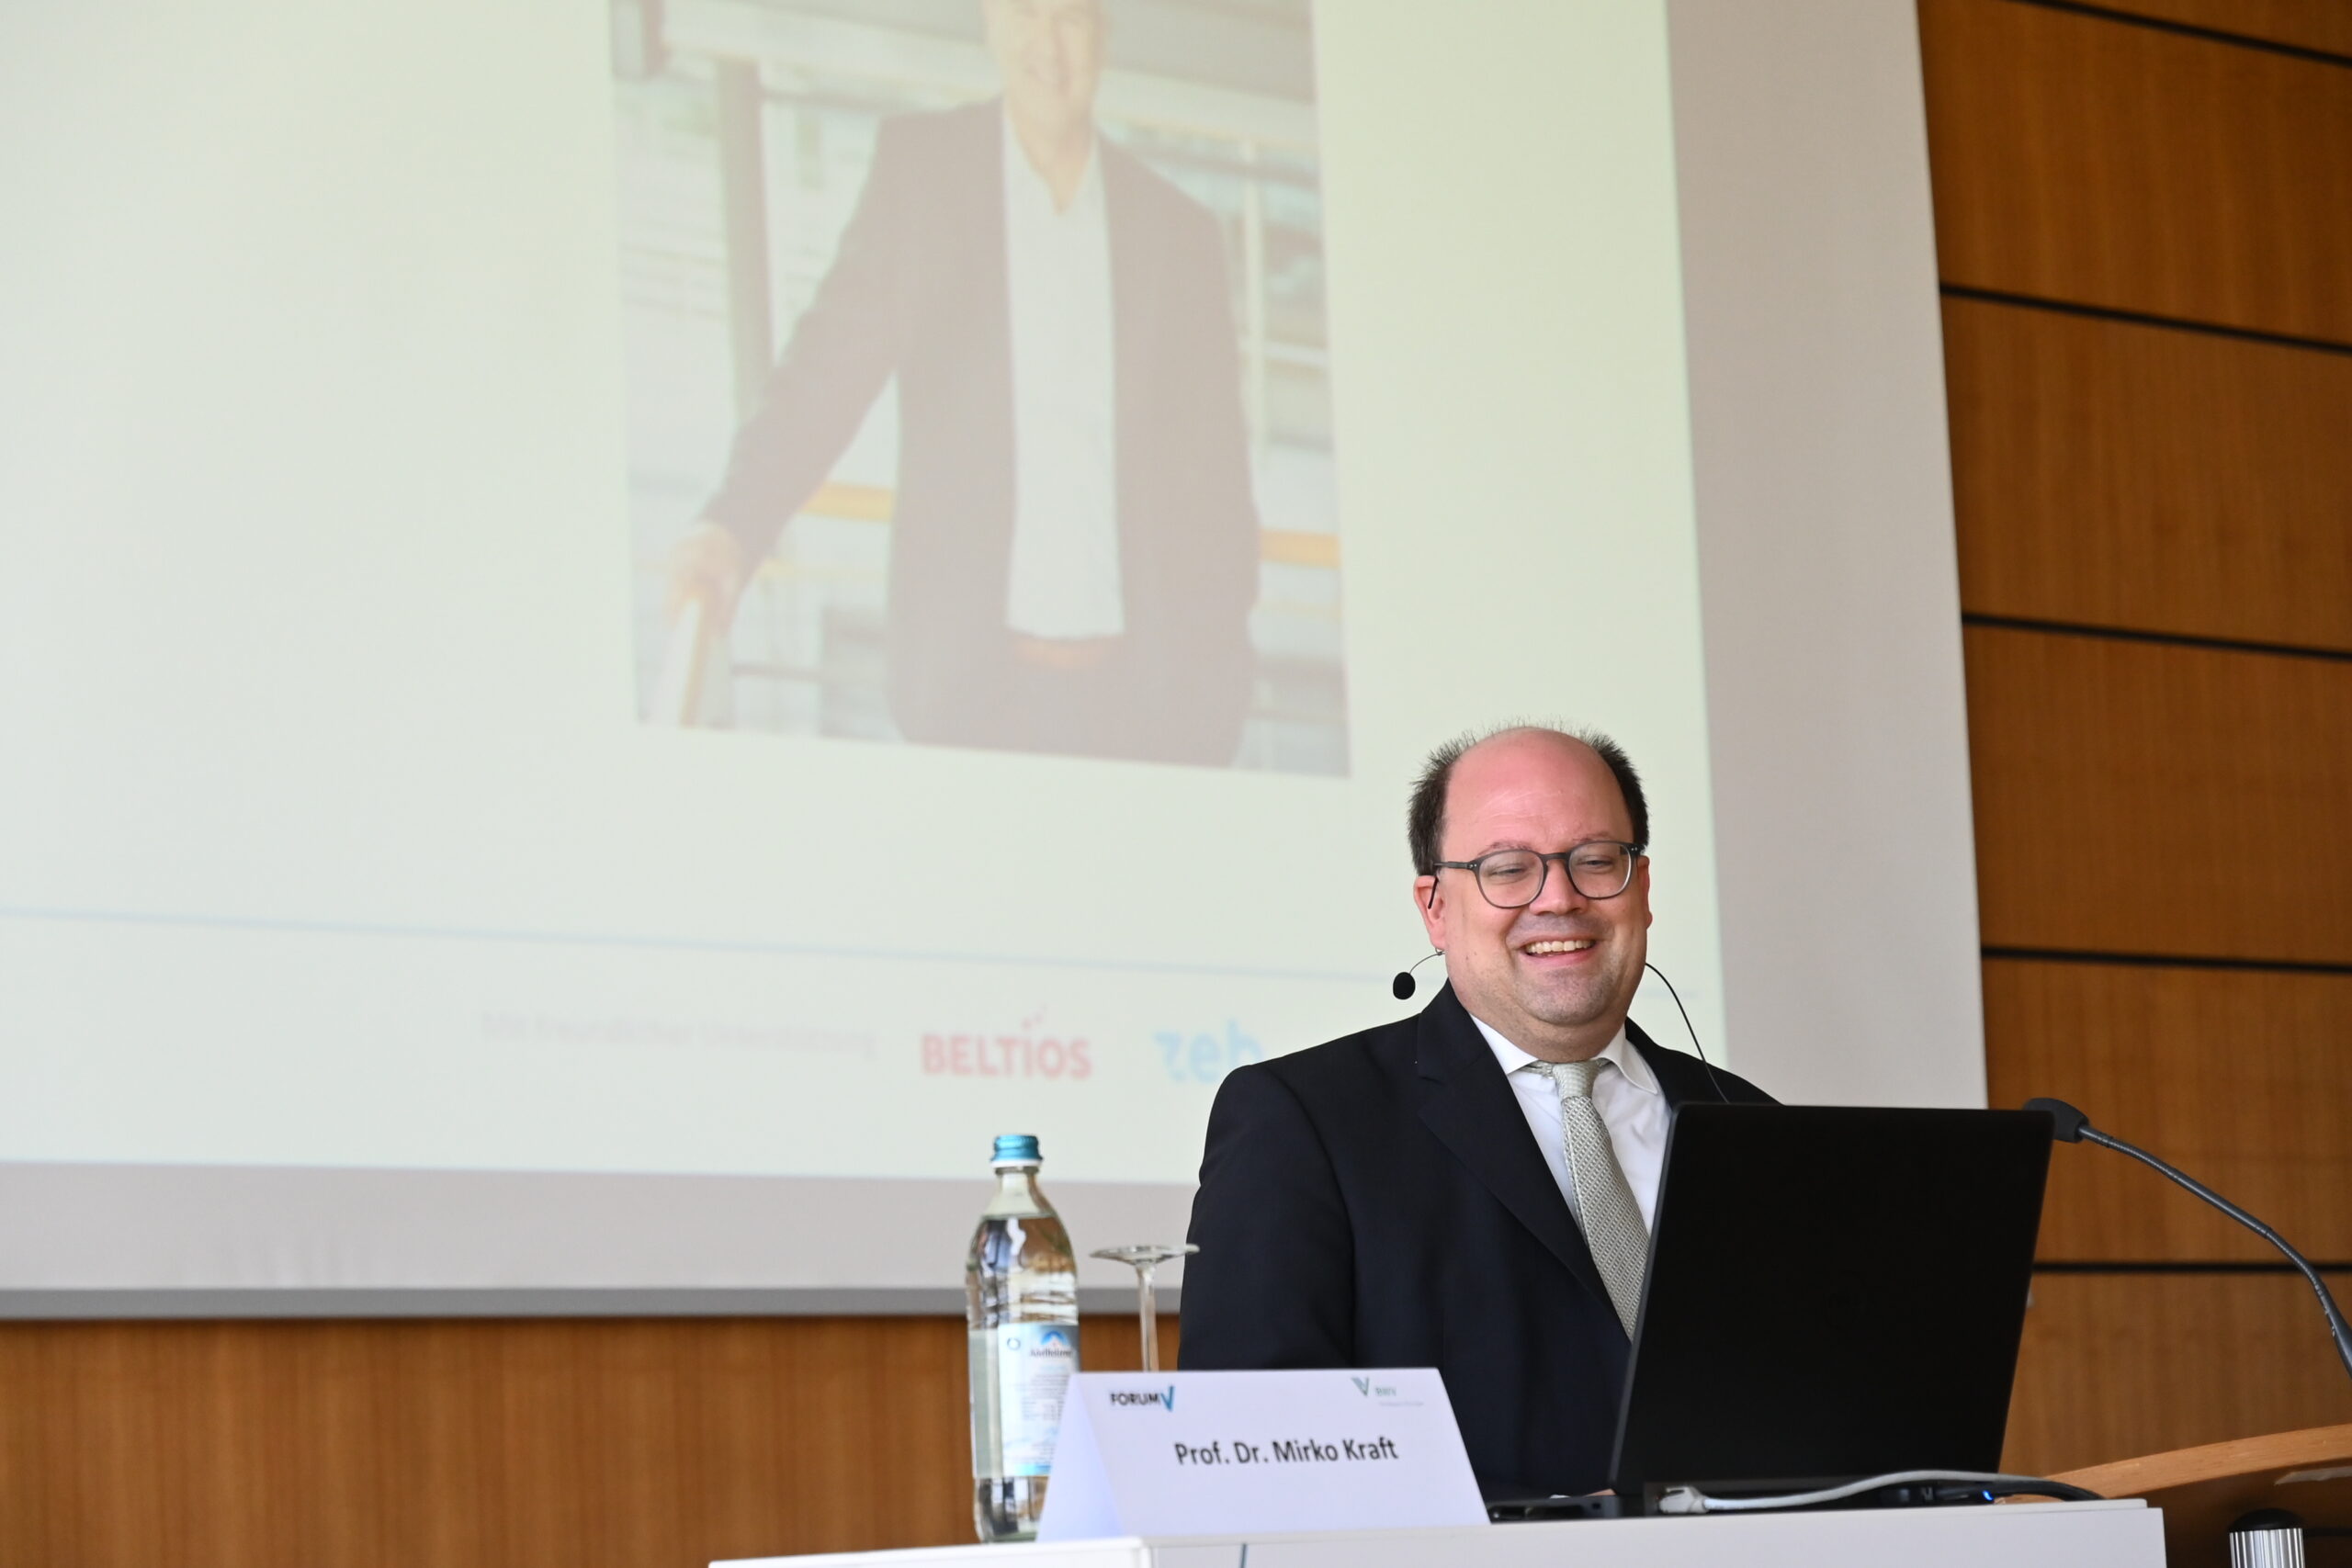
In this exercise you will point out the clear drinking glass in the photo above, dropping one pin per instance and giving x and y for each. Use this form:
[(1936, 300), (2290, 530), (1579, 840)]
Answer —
[(1145, 1257)]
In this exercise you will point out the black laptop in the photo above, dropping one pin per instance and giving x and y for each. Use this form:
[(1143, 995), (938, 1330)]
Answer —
[(1833, 1293)]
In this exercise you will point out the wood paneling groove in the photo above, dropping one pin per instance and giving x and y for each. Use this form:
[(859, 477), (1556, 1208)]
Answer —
[(2169, 639), (585, 1443), (2136, 797), (2323, 28), (2242, 1079), (2079, 159), (2167, 961), (2134, 478), (2202, 1265), (2138, 317), (2118, 1365)]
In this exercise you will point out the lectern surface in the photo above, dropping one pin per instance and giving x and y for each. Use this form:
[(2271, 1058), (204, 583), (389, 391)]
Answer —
[(2025, 1535), (2201, 1490)]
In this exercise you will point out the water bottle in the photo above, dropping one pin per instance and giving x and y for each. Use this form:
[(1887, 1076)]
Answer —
[(1021, 1304)]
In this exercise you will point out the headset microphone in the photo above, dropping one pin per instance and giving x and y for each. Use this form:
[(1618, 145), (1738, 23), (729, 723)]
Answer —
[(1713, 1081), (1401, 987)]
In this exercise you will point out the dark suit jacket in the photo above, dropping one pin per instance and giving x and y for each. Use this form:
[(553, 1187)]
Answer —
[(1378, 1201), (918, 289)]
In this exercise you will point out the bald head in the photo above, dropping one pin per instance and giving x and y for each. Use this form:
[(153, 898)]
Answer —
[(1426, 813)]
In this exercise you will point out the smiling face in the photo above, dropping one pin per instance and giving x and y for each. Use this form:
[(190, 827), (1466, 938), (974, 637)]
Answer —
[(1050, 55), (1555, 977)]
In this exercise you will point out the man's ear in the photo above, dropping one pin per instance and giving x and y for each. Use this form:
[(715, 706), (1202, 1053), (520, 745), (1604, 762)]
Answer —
[(1425, 904)]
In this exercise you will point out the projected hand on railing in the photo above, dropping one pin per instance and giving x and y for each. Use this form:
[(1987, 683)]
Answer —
[(706, 572)]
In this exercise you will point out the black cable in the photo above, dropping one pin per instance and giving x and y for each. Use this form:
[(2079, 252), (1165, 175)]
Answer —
[(1713, 1081)]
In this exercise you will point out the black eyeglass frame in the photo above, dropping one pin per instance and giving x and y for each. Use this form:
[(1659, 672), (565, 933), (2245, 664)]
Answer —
[(1635, 854)]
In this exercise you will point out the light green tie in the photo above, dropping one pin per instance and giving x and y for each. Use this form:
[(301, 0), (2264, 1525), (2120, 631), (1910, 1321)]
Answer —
[(1613, 1231)]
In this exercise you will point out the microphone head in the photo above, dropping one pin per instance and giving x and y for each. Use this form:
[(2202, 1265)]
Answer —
[(2066, 1123), (1402, 987)]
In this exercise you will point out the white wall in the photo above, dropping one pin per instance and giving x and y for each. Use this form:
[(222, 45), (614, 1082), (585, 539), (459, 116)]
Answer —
[(1845, 853)]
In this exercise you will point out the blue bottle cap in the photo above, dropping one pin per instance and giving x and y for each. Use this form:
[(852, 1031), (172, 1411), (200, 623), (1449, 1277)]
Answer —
[(1019, 1149)]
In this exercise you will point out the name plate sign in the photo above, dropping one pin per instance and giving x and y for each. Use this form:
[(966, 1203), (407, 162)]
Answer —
[(1228, 1453)]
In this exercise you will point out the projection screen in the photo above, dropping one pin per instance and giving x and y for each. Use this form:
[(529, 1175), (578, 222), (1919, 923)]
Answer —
[(417, 893)]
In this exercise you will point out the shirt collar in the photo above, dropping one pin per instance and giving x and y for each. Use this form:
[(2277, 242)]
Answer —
[(1619, 1051), (1019, 176)]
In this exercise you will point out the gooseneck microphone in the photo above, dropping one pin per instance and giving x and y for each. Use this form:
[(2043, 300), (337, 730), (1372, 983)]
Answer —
[(1401, 987), (2070, 1125)]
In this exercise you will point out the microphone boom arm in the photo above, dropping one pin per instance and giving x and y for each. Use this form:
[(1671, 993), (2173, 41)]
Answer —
[(2336, 1326)]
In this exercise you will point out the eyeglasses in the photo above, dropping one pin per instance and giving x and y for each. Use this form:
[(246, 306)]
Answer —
[(1512, 879)]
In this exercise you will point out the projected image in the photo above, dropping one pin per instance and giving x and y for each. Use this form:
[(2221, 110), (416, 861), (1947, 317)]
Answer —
[(979, 383)]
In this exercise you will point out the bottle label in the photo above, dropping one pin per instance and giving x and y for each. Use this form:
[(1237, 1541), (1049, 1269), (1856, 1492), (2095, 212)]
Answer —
[(1035, 1361)]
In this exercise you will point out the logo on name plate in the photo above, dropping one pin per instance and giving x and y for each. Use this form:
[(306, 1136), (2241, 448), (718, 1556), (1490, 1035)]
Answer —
[(1164, 1398)]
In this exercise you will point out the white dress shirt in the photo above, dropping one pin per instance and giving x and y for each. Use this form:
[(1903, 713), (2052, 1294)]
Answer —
[(1632, 1107), (1065, 574)]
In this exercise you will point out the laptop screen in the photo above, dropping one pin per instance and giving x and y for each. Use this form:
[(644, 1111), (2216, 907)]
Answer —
[(1833, 1292)]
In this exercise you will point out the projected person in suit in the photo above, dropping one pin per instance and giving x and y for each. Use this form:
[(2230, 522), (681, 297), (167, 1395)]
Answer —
[(1469, 1188), (1075, 542)]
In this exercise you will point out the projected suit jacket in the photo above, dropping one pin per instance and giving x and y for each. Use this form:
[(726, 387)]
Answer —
[(1378, 1201), (918, 289)]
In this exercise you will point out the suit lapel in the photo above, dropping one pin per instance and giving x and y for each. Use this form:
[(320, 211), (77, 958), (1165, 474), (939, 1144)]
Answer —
[(1136, 315), (961, 277), (1135, 267), (1467, 1102), (1678, 1075)]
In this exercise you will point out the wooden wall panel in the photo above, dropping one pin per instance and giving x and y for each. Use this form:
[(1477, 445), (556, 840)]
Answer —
[(2325, 25), (583, 1443), (2106, 473), (2133, 797), (2083, 159), (2146, 798), (2242, 1078), (2116, 1365)]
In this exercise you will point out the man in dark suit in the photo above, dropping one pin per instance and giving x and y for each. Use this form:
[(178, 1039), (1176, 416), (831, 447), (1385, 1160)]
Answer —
[(1075, 543), (1470, 1188)]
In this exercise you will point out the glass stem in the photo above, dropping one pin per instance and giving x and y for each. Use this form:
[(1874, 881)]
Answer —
[(1148, 1313)]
